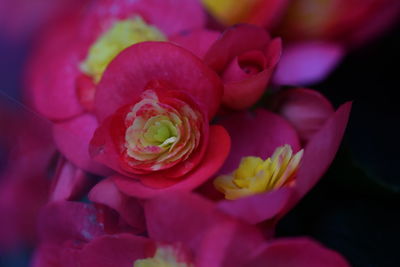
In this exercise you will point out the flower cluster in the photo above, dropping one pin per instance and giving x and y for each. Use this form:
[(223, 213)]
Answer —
[(159, 120)]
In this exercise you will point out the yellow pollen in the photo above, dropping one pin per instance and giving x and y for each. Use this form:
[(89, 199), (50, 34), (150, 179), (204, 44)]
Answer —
[(121, 35), (165, 256), (229, 12), (255, 176)]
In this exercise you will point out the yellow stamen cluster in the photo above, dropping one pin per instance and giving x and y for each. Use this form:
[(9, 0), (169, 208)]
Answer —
[(159, 136), (165, 256), (255, 175), (121, 35)]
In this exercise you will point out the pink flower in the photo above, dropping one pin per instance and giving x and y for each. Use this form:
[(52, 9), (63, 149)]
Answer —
[(90, 40), (244, 67), (266, 172), (154, 104), (183, 230), (95, 28)]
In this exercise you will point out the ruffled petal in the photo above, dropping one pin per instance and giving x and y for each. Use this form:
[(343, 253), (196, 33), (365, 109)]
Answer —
[(216, 153), (133, 69)]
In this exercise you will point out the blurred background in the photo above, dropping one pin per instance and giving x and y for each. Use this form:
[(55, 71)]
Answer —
[(355, 209)]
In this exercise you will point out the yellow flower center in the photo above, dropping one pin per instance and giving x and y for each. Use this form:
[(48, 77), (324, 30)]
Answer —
[(121, 35), (165, 256), (255, 176), (160, 135), (229, 12)]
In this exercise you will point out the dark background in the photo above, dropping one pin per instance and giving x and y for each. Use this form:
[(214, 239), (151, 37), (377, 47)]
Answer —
[(355, 208)]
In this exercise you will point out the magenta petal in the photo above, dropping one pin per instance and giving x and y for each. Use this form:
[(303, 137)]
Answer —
[(216, 240), (257, 208), (70, 182), (61, 221), (256, 134), (116, 250), (244, 83), (198, 41), (130, 209), (47, 255), (321, 150), (133, 69), (299, 252), (172, 16), (216, 153), (228, 243), (234, 42), (244, 93), (52, 74), (307, 110), (307, 63), (182, 217), (73, 137)]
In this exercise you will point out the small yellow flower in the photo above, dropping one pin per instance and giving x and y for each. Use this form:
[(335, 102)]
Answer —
[(255, 176)]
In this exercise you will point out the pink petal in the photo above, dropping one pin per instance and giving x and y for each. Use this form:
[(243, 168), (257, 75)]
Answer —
[(116, 250), (132, 70), (198, 41), (173, 16), (245, 93), (47, 255), (73, 137), (242, 88), (191, 220), (297, 252), (307, 63), (217, 151), (257, 208), (228, 243), (307, 110), (21, 20), (61, 221), (320, 151), (51, 79), (70, 182), (179, 217), (235, 41), (162, 14), (22, 195), (130, 209), (256, 134)]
